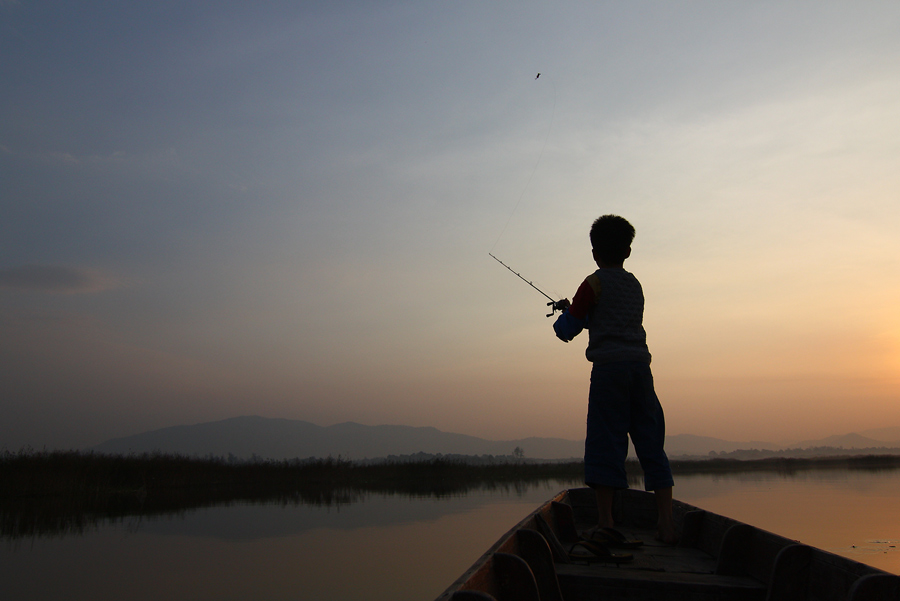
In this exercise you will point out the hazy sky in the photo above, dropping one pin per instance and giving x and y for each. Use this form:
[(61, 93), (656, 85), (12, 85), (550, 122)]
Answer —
[(211, 209)]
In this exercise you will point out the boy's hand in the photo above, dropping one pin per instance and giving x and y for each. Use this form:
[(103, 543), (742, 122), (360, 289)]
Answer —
[(566, 326)]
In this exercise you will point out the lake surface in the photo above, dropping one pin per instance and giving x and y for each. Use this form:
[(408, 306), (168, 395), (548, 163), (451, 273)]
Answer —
[(400, 547)]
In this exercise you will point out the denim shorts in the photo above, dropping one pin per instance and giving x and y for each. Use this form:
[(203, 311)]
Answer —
[(622, 403)]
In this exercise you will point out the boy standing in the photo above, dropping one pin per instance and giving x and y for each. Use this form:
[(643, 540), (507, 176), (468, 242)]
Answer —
[(622, 401)]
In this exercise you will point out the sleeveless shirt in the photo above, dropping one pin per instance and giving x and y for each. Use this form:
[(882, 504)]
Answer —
[(615, 320)]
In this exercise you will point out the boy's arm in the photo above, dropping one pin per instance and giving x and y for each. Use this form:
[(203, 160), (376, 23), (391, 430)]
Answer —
[(574, 318), (567, 327)]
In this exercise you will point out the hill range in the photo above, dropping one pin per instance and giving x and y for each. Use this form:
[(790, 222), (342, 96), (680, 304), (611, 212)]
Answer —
[(274, 438)]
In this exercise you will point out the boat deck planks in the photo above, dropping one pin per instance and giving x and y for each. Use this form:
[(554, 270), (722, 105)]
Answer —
[(657, 571)]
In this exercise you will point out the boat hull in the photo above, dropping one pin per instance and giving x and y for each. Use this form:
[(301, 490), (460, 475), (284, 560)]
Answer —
[(718, 558)]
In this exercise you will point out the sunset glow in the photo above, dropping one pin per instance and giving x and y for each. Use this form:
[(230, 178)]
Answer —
[(210, 210)]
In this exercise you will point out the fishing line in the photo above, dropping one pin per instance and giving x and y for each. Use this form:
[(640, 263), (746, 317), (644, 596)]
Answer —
[(553, 304), (533, 171)]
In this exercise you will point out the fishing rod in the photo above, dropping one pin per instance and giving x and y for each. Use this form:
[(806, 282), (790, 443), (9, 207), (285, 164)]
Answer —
[(553, 304)]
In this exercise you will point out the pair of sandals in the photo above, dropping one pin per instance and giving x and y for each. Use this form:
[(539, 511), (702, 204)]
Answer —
[(596, 544)]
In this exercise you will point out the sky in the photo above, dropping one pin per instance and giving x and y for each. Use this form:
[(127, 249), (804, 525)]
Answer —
[(214, 209)]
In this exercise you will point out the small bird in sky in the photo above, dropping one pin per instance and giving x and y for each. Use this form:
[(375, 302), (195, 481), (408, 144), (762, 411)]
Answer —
[(538, 75)]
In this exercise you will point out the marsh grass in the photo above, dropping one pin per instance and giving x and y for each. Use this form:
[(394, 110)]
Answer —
[(59, 493), (47, 493), (787, 465)]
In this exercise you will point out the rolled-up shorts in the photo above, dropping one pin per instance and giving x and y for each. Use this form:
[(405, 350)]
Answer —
[(623, 403)]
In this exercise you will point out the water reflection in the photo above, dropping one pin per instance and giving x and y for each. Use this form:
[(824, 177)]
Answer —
[(248, 521), (387, 545), (260, 517), (848, 512)]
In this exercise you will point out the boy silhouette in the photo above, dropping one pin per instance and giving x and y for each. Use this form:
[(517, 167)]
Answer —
[(622, 401)]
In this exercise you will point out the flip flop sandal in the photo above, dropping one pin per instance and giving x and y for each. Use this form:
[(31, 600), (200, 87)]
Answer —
[(590, 551), (613, 538)]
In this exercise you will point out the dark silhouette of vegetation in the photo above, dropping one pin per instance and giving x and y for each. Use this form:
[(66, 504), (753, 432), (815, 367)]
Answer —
[(787, 465), (68, 492), (49, 493), (807, 453)]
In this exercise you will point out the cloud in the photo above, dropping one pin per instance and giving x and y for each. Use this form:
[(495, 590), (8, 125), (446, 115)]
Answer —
[(65, 157), (54, 279)]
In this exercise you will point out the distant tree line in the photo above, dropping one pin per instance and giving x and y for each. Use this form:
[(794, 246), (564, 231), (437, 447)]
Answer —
[(808, 453), (60, 492)]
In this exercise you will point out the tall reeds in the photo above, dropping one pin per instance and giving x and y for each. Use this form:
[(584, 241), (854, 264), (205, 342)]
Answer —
[(48, 493), (65, 492)]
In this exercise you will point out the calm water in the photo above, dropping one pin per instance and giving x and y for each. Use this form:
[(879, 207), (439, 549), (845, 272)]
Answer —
[(393, 547)]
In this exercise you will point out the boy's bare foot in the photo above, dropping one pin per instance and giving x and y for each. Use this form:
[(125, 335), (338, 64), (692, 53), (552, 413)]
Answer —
[(667, 536)]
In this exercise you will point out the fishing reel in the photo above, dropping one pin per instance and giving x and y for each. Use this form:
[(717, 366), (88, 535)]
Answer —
[(560, 305)]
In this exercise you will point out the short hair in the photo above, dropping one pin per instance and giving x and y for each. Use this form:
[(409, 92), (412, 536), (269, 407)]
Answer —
[(611, 238)]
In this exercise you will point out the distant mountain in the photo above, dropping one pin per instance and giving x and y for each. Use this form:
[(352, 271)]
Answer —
[(269, 438), (283, 438), (689, 444), (889, 435)]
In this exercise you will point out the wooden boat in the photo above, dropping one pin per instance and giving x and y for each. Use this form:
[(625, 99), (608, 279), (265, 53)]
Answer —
[(717, 559)]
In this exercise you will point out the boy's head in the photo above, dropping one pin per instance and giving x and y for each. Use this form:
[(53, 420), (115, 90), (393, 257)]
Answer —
[(611, 238)]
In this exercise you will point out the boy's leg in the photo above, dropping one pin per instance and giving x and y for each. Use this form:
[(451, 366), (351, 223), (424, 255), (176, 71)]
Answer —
[(665, 529), (606, 443), (648, 433), (605, 496)]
